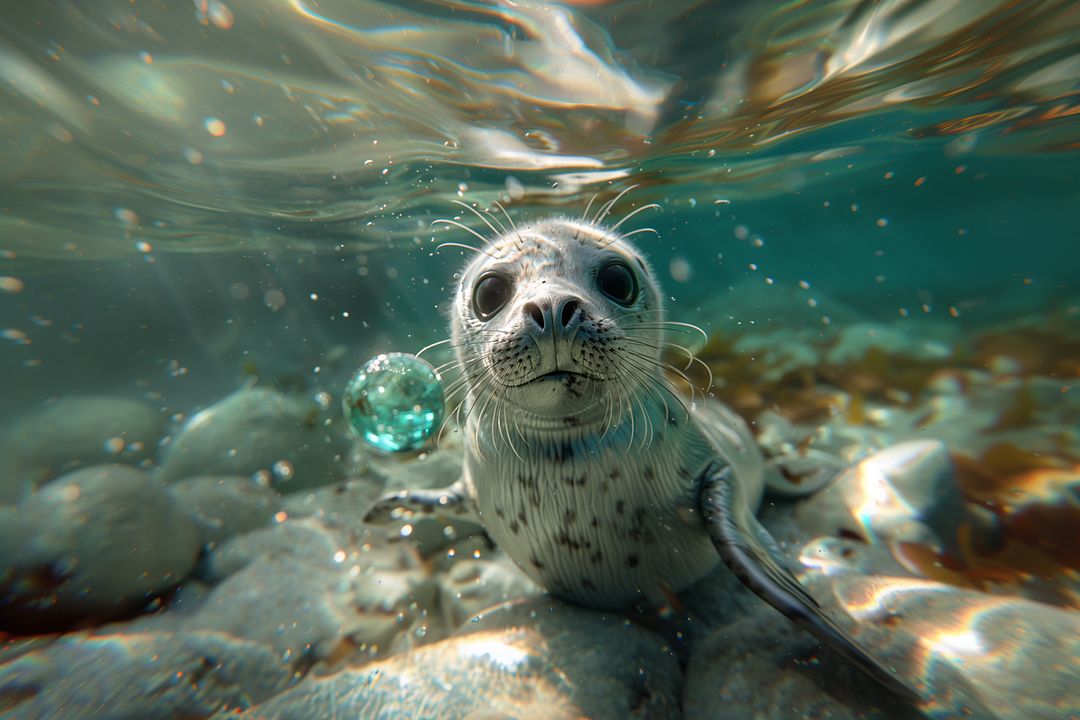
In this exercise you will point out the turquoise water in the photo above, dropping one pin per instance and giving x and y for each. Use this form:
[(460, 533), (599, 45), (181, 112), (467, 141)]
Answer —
[(200, 197), (158, 158)]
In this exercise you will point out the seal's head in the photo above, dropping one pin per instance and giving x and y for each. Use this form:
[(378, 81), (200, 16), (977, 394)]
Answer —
[(562, 320)]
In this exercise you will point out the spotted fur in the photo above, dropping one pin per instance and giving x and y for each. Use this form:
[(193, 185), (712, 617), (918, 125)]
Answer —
[(587, 480)]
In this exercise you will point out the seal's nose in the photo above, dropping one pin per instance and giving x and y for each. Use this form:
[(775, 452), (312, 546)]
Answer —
[(567, 311), (545, 312), (536, 315)]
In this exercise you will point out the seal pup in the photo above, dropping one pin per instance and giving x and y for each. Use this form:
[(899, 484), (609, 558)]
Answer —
[(584, 460)]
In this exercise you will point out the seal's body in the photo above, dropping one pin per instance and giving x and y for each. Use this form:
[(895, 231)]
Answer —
[(586, 461), (581, 457), (601, 521)]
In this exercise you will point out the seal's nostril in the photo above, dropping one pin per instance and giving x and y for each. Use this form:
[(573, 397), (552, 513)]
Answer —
[(569, 309), (535, 313)]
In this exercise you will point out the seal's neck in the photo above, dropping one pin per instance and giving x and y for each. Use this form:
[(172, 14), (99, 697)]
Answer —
[(626, 429)]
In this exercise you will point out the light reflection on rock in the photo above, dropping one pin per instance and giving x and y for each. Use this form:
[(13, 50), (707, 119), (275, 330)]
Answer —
[(249, 432), (100, 541), (968, 653), (73, 432), (906, 493), (532, 660), (151, 674)]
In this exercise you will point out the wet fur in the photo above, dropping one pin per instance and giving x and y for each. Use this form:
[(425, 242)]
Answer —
[(589, 483)]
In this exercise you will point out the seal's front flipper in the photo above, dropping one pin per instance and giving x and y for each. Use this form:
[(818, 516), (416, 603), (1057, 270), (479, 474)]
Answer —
[(752, 554), (452, 502)]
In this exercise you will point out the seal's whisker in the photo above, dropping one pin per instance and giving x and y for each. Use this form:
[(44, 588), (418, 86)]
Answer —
[(621, 313), (671, 368), (655, 384), (646, 438), (449, 344), (466, 228), (470, 404), (463, 246), (664, 344), (458, 363), (669, 324), (632, 213), (481, 416), (463, 380), (606, 207), (476, 212), (607, 419), (424, 349), (645, 379), (517, 428), (481, 328), (457, 385), (632, 233), (513, 226), (497, 424), (661, 383), (708, 371), (495, 219), (588, 207), (455, 414), (691, 358), (506, 429), (469, 385)]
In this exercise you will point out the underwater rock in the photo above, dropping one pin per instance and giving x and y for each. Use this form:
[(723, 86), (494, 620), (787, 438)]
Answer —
[(968, 410), (753, 303), (75, 432), (140, 675), (763, 666), (399, 603), (302, 611), (225, 506), (857, 338), (258, 431), (1039, 511), (969, 654), (430, 534), (904, 494), (781, 351), (470, 586), (341, 505), (96, 542), (434, 469), (524, 660), (307, 541), (794, 467), (188, 597), (299, 588)]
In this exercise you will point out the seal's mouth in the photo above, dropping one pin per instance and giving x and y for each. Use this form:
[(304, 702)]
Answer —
[(558, 376), (555, 376)]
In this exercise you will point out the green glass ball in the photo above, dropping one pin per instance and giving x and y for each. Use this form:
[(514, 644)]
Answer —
[(395, 402)]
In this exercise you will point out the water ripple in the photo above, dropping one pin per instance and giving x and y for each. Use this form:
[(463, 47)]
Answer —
[(337, 125)]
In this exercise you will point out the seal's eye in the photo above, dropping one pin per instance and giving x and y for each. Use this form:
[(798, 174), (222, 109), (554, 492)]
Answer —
[(617, 281), (491, 292)]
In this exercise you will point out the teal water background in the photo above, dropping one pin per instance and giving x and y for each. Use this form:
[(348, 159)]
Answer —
[(193, 189)]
